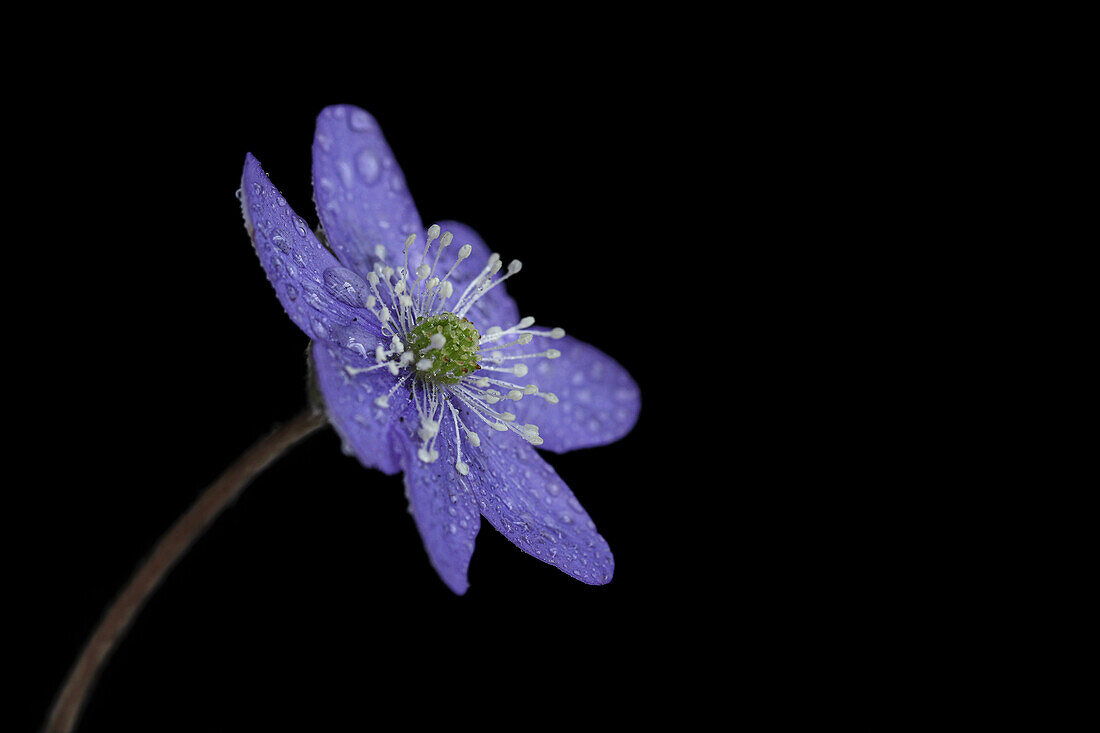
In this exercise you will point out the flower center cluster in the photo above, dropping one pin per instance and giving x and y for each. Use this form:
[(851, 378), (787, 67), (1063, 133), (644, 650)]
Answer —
[(448, 347), (454, 373)]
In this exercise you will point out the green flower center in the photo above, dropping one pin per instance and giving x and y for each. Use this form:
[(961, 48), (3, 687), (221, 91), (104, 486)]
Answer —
[(446, 347)]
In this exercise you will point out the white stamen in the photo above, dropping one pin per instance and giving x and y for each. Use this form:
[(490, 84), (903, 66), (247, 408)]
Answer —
[(400, 298)]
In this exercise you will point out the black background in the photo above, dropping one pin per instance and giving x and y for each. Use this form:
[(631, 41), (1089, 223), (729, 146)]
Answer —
[(311, 598), (736, 222)]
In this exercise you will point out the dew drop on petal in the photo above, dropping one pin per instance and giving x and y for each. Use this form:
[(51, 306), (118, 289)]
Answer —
[(360, 121), (280, 242), (369, 168), (346, 286)]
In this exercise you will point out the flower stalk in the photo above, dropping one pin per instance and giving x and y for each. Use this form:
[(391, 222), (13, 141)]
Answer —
[(171, 547)]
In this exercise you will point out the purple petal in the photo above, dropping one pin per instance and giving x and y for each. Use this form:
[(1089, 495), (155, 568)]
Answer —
[(360, 191), (527, 502), (598, 401), (445, 511), (324, 299), (369, 431), (496, 307)]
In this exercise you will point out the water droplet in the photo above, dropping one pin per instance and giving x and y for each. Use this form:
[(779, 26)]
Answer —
[(346, 286), (367, 165), (360, 121), (354, 339), (291, 292), (347, 175), (315, 300), (281, 243)]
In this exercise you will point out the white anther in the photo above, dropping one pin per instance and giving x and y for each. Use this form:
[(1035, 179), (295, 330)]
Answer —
[(409, 240), (398, 347), (493, 331), (428, 456), (371, 300), (433, 232), (382, 401), (379, 354), (552, 353), (464, 251), (515, 394), (549, 397), (428, 429), (482, 382), (507, 417), (422, 271), (557, 333), (514, 266), (531, 389), (372, 278), (432, 283), (447, 290), (424, 364), (524, 338), (520, 370), (391, 367), (380, 251), (437, 341), (474, 438), (446, 239), (399, 288), (499, 427), (526, 322), (460, 466)]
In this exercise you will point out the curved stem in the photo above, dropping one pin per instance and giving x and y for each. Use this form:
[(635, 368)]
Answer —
[(171, 547)]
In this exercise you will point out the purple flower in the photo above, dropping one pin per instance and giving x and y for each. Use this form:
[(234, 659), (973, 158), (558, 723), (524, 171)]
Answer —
[(424, 362)]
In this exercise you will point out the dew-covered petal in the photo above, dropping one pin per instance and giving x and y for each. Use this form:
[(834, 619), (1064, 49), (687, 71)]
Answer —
[(318, 294), (495, 307), (444, 509), (598, 401), (367, 430), (527, 502), (360, 191)]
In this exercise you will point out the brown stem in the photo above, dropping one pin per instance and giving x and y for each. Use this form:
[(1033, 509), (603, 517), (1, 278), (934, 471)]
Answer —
[(70, 700)]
